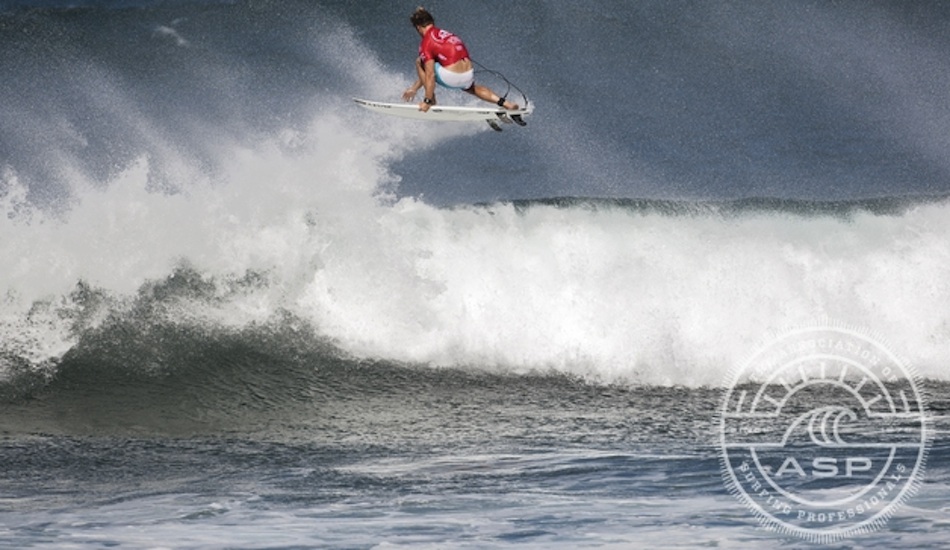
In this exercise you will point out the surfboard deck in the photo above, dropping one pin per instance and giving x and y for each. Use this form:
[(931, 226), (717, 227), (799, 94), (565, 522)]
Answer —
[(447, 113)]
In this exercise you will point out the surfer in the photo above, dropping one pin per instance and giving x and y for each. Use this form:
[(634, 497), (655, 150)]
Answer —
[(443, 59)]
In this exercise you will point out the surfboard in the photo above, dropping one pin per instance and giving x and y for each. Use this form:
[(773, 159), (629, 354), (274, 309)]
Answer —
[(447, 113)]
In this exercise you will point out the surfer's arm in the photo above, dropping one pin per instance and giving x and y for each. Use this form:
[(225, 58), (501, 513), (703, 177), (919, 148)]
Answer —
[(410, 92), (429, 79)]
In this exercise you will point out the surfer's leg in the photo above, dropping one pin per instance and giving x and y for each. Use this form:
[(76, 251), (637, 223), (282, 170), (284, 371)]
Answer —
[(482, 92)]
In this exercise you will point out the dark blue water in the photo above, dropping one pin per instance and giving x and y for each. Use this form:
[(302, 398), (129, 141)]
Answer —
[(236, 310)]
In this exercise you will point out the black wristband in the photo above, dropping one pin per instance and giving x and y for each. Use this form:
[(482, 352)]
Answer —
[(428, 101)]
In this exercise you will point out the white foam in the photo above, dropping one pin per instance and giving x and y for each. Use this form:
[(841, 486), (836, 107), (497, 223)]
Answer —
[(615, 294), (610, 293)]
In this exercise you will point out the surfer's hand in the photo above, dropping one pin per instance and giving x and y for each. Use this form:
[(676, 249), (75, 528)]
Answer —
[(409, 94)]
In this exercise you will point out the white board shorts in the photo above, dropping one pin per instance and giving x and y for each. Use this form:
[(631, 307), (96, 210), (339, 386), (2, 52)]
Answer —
[(447, 78)]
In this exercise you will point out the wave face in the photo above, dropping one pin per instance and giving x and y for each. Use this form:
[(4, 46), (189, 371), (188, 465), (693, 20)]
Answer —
[(208, 187)]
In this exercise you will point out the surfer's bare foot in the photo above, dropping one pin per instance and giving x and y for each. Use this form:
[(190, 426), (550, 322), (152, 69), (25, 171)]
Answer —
[(511, 106)]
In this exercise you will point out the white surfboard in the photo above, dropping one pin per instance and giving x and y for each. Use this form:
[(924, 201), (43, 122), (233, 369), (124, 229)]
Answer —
[(491, 114)]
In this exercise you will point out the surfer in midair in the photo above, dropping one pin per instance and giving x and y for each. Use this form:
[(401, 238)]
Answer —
[(443, 59)]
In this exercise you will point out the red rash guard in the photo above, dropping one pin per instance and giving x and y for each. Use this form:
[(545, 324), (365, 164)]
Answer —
[(443, 46)]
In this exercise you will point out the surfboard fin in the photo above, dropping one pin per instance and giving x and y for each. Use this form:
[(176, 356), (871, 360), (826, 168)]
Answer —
[(508, 119), (494, 125)]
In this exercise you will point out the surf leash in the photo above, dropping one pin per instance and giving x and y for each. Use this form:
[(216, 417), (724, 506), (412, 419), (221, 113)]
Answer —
[(504, 97)]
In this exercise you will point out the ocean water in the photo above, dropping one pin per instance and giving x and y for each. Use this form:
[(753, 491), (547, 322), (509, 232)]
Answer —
[(237, 311)]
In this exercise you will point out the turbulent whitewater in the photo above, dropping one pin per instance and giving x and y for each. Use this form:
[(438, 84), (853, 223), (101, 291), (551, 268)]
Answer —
[(205, 248)]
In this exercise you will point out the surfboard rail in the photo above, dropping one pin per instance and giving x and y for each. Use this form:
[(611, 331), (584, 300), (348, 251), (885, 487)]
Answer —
[(446, 113)]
